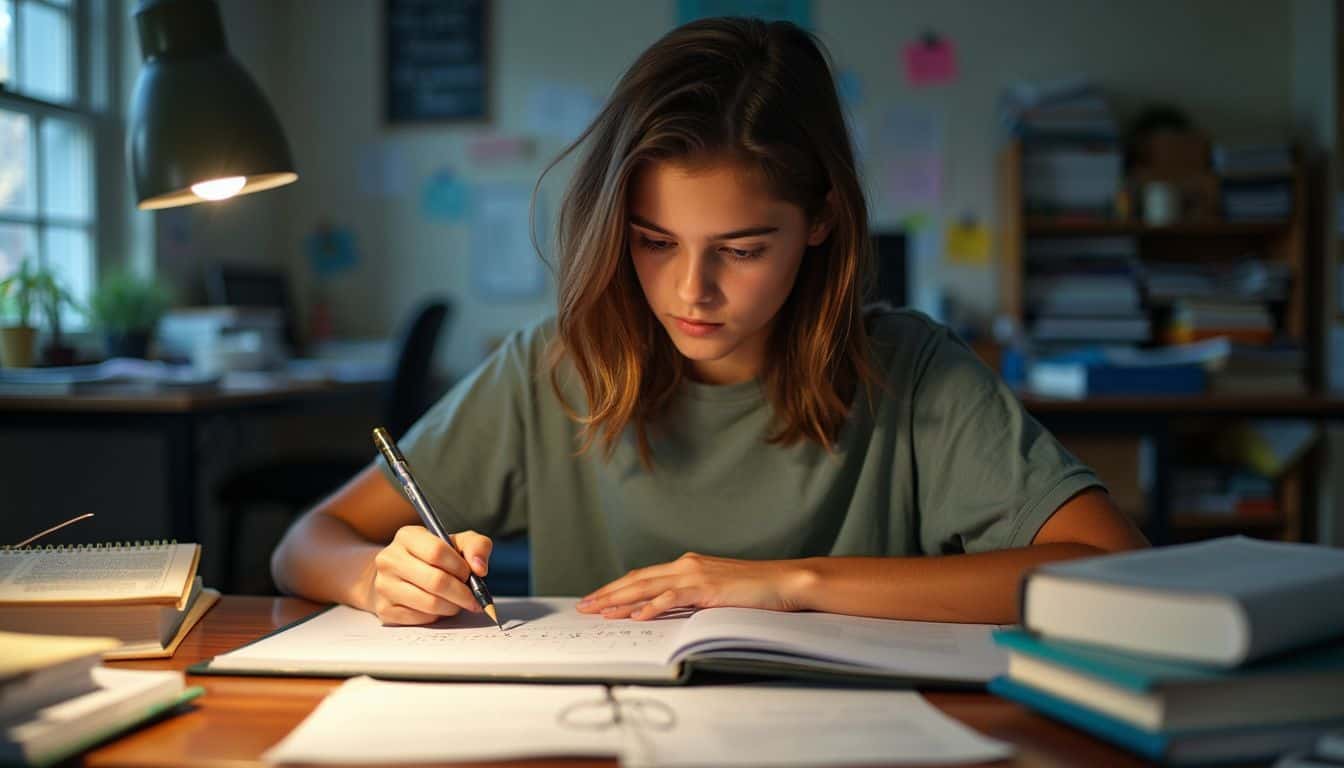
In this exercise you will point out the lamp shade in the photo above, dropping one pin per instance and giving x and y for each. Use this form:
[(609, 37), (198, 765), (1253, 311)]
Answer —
[(197, 118)]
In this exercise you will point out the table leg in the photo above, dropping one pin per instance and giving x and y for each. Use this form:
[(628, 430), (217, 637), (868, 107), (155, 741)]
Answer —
[(180, 473), (1158, 527)]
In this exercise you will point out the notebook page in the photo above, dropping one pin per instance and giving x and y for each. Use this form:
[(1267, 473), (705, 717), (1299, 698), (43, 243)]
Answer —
[(790, 726), (545, 637), (370, 721), (97, 574), (916, 649)]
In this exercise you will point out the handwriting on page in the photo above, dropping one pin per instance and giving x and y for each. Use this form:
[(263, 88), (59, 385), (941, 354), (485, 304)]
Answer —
[(573, 640)]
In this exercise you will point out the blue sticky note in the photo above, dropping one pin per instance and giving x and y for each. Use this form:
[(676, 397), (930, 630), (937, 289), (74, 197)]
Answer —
[(849, 86), (331, 251), (445, 197)]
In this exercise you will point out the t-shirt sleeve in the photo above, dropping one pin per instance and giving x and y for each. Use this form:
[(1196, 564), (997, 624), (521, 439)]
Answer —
[(467, 451), (988, 475)]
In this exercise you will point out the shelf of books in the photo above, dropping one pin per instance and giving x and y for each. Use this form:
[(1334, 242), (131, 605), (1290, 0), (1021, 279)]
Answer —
[(1162, 265)]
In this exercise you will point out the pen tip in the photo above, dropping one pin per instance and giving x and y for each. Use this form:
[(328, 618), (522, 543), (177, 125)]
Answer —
[(494, 616)]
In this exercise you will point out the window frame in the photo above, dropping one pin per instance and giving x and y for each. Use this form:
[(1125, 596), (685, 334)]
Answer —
[(95, 83)]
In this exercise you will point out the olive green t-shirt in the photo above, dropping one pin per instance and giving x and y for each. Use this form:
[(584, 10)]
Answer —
[(948, 462)]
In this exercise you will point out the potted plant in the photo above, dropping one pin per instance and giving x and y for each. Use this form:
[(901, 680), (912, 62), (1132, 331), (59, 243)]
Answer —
[(30, 288), (127, 308)]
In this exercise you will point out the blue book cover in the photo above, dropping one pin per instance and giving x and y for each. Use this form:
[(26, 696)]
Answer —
[(1143, 674), (1158, 380), (1177, 748), (1150, 745)]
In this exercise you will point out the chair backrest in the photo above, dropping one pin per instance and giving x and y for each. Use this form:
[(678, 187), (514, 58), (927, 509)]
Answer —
[(407, 393)]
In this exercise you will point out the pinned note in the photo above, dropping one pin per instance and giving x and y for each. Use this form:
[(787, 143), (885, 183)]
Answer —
[(561, 110), (931, 60), (911, 141), (499, 150), (849, 87), (331, 250), (966, 242), (445, 196), (504, 264)]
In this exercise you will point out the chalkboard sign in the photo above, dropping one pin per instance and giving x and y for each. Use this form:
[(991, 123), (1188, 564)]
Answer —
[(436, 59)]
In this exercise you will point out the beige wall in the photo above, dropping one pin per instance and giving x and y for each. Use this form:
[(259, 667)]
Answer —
[(1230, 64)]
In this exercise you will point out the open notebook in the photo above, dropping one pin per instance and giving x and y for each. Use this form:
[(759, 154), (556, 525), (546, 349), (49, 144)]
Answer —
[(546, 639)]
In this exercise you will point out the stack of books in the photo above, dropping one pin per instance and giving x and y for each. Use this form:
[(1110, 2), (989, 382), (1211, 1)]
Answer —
[(55, 701), (146, 595), (1202, 319), (1072, 162), (1072, 179), (1223, 491), (1176, 370), (1256, 181), (1085, 290), (1270, 369), (1231, 649), (1249, 280), (1067, 109), (1253, 160)]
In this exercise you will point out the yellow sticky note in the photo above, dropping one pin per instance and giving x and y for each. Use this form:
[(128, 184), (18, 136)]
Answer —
[(967, 243)]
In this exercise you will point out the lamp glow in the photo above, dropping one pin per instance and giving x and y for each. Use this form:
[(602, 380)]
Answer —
[(219, 189)]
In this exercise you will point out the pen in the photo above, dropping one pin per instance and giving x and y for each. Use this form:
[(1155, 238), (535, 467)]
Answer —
[(429, 517)]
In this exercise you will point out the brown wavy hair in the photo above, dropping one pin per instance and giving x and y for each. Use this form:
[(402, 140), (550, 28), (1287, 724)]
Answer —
[(750, 92)]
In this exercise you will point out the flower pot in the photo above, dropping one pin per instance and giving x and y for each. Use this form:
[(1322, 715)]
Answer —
[(127, 344), (16, 346)]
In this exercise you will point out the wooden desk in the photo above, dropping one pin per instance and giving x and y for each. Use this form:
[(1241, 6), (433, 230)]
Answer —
[(176, 418), (239, 718)]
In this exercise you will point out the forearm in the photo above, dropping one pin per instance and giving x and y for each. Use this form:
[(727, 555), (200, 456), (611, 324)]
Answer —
[(322, 558), (979, 587)]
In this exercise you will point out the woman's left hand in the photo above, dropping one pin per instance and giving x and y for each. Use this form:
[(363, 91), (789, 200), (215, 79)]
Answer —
[(700, 581)]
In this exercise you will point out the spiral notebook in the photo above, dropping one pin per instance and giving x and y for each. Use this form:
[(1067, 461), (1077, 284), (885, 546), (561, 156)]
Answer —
[(145, 594)]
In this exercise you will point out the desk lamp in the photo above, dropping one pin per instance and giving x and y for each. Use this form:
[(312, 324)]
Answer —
[(200, 128)]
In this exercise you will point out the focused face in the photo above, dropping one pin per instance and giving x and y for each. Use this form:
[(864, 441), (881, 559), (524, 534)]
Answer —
[(716, 256)]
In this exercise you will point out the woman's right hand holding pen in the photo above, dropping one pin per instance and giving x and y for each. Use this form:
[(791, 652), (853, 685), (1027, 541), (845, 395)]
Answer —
[(419, 577)]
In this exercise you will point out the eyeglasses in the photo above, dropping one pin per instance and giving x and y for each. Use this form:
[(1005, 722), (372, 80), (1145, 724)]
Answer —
[(610, 712), (643, 716)]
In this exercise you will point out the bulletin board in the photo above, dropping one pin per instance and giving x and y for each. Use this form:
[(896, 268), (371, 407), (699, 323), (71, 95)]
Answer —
[(437, 60)]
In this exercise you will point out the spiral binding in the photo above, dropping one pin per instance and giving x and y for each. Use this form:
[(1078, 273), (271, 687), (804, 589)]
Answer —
[(102, 546)]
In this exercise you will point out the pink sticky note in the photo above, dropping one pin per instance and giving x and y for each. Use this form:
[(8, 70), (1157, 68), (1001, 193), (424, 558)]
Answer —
[(930, 62)]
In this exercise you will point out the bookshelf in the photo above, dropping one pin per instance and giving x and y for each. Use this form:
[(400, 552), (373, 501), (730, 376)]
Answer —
[(1211, 240), (1161, 420)]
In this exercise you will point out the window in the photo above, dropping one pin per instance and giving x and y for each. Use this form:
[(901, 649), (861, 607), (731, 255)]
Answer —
[(47, 206)]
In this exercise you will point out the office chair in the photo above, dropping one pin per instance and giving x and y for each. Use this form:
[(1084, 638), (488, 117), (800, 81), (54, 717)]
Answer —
[(297, 483)]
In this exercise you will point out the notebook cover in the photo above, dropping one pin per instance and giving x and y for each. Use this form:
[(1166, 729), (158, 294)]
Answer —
[(1161, 745), (203, 604), (1145, 673), (149, 715)]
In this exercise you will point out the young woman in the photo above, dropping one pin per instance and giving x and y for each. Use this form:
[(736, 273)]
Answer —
[(712, 418)]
